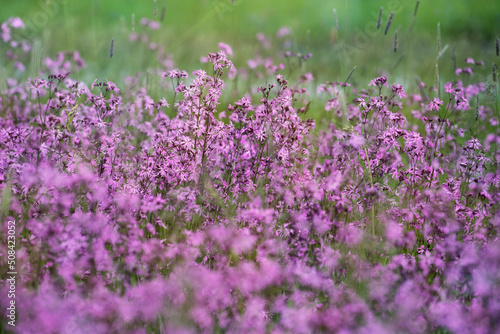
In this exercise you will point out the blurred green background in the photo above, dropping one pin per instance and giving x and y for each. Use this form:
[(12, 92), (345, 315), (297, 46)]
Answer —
[(191, 29)]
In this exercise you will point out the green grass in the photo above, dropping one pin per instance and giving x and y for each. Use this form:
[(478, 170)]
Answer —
[(193, 28)]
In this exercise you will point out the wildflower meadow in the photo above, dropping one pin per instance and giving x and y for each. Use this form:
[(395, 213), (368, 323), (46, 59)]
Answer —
[(247, 199)]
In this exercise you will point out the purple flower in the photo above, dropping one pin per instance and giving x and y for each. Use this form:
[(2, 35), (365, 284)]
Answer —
[(226, 49), (435, 104), (379, 82), (398, 90), (283, 32)]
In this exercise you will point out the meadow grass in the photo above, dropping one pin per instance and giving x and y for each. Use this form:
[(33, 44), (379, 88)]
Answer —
[(166, 180)]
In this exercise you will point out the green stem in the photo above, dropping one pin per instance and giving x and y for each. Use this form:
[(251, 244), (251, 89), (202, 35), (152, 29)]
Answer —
[(371, 182)]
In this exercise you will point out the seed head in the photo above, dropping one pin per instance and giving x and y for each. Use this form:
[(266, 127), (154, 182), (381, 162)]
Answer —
[(111, 49), (163, 10), (396, 42), (389, 23), (335, 19), (379, 17)]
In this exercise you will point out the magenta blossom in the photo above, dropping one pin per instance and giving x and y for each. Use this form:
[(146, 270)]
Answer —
[(435, 104)]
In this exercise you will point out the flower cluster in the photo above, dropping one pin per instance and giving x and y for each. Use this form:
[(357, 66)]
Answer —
[(136, 215)]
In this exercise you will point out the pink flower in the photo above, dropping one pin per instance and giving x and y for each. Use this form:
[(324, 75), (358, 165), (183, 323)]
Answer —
[(398, 90), (283, 32), (154, 25), (379, 82), (435, 104), (226, 49), (16, 22)]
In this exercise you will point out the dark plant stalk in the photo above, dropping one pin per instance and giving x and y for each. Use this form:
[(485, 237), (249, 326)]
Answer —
[(389, 23), (477, 110), (436, 81), (112, 47), (162, 15), (396, 42), (379, 17), (175, 95)]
